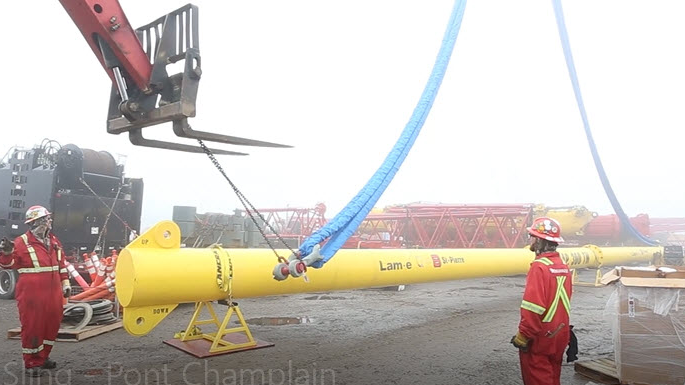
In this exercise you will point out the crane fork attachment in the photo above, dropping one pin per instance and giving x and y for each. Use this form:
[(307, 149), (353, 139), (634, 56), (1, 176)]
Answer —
[(143, 93)]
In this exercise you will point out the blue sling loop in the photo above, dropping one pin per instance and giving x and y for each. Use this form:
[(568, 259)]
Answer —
[(563, 35), (345, 223)]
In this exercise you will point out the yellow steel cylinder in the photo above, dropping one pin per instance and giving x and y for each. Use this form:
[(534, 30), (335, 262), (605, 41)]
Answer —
[(147, 277), (612, 256), (153, 275), (154, 271)]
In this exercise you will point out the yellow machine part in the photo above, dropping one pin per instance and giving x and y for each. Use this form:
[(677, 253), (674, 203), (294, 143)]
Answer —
[(572, 219), (154, 274)]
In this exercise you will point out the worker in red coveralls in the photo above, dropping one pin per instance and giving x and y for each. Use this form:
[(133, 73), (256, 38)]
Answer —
[(544, 332), (43, 283)]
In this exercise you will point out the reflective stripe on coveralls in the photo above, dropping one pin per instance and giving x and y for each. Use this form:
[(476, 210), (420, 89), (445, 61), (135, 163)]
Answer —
[(32, 351), (537, 309), (32, 251), (545, 261), (59, 258), (38, 269), (561, 294), (34, 258)]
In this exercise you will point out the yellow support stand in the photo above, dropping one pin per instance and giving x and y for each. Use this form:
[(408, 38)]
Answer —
[(597, 283), (219, 344)]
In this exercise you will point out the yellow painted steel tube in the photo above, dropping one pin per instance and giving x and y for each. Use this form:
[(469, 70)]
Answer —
[(154, 274)]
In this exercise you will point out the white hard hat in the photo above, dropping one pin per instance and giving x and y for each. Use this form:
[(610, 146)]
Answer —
[(36, 212)]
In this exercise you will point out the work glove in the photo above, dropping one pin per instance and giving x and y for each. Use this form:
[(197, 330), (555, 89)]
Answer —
[(520, 341), (6, 246), (66, 289)]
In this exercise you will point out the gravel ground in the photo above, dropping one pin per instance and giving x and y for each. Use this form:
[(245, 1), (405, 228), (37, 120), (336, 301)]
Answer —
[(444, 333)]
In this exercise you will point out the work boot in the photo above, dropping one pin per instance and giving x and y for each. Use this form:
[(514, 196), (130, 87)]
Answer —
[(36, 371), (49, 364)]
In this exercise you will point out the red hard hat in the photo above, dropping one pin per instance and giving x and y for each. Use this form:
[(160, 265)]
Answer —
[(36, 212), (546, 228)]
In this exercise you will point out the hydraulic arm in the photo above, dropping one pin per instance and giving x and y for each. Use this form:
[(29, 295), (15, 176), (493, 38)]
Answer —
[(143, 92)]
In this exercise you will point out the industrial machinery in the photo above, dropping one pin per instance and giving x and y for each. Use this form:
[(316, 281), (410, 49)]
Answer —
[(236, 230), (93, 204), (137, 61)]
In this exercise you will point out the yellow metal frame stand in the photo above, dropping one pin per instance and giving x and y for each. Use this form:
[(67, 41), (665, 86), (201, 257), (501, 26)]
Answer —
[(219, 344), (597, 283)]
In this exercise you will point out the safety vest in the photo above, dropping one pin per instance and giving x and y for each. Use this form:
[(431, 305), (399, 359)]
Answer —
[(560, 296), (37, 268)]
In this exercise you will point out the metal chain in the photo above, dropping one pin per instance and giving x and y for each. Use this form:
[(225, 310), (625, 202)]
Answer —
[(245, 202), (104, 203), (104, 226)]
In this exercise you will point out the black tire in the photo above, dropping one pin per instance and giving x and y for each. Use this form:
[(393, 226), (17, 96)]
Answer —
[(8, 283)]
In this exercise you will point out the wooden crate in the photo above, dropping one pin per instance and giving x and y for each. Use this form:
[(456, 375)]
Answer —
[(600, 369), (70, 335)]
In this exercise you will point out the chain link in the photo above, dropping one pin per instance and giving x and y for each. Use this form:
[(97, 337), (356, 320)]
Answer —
[(245, 202), (111, 209), (104, 226)]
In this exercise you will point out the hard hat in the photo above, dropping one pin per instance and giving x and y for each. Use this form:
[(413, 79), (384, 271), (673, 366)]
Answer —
[(546, 228), (36, 212)]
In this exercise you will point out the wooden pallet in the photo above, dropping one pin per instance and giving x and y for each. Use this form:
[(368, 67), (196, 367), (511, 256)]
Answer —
[(601, 369), (70, 335)]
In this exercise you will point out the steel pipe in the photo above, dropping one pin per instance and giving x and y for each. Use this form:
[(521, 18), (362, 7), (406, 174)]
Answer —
[(154, 274)]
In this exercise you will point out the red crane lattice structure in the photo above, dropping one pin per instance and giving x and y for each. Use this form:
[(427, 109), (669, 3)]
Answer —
[(294, 224), (421, 225)]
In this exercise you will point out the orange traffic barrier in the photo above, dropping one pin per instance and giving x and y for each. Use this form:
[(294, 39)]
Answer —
[(100, 276), (83, 294), (87, 293), (76, 276), (103, 286), (95, 259), (90, 267), (102, 291), (100, 295), (110, 270), (90, 290)]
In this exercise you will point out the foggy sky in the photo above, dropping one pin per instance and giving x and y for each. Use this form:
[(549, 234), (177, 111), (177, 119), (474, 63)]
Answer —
[(340, 79)]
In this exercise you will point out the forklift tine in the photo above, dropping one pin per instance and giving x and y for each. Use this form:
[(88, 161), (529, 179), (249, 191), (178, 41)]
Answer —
[(136, 137), (183, 129)]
